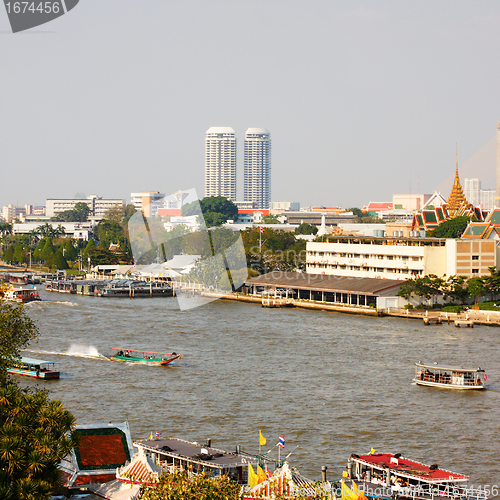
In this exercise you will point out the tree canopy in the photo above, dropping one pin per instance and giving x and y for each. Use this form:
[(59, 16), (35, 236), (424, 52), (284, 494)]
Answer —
[(79, 213), (220, 208), (452, 228), (17, 330), (178, 486)]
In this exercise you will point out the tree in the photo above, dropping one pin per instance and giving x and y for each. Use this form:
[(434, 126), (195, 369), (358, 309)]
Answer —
[(179, 486), (306, 228), (35, 434), (476, 288), (48, 249), (452, 228), (357, 211), (8, 254), (59, 262), (70, 252), (270, 219), (214, 219), (16, 332), (215, 204)]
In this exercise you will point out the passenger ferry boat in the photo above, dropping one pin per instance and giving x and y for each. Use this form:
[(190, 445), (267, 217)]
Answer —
[(450, 378), (35, 368), (144, 357), (388, 476), (22, 295)]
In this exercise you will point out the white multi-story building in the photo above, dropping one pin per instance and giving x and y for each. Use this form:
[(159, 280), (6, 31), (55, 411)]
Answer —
[(400, 258), (220, 162), (148, 201), (257, 167), (97, 206), (477, 196), (472, 191)]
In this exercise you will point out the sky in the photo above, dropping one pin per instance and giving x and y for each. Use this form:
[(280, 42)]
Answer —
[(363, 99)]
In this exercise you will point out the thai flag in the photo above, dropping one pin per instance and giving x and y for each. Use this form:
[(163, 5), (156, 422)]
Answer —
[(261, 229), (281, 442), (158, 434)]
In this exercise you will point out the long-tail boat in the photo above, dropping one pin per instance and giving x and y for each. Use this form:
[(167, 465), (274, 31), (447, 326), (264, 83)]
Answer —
[(143, 357)]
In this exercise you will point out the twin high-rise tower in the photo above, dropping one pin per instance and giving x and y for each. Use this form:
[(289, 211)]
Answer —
[(220, 165)]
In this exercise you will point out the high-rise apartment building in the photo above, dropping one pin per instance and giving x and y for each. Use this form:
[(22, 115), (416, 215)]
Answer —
[(472, 191), (220, 162), (257, 167)]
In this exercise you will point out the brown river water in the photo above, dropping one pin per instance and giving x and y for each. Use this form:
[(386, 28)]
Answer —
[(331, 384)]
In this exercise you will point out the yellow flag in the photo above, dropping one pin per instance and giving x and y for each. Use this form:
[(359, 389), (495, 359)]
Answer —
[(262, 439), (354, 489), (261, 475), (372, 451), (150, 438), (253, 479), (344, 473), (346, 492)]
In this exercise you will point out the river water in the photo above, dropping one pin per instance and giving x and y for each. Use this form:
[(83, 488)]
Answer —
[(331, 384)]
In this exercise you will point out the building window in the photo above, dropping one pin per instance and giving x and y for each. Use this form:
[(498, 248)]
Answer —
[(475, 257), (475, 271)]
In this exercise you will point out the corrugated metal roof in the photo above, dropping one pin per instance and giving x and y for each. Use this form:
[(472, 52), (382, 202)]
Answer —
[(306, 281)]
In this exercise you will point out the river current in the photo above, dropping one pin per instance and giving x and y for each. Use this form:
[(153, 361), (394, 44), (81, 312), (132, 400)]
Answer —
[(331, 384)]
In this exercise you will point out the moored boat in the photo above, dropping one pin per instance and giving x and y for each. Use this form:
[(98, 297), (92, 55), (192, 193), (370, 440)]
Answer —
[(35, 368), (387, 475), (22, 295), (144, 357), (450, 378)]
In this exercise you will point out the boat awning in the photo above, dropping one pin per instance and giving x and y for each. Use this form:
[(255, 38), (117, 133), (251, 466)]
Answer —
[(34, 361), (408, 468), (192, 452), (449, 368)]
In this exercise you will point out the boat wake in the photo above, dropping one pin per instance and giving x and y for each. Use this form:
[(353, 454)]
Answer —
[(77, 351), (43, 303)]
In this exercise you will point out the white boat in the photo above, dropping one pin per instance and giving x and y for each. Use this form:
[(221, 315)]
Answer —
[(386, 476), (450, 377), (22, 295)]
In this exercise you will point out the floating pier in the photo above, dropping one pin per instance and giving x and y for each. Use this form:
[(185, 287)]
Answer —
[(464, 322)]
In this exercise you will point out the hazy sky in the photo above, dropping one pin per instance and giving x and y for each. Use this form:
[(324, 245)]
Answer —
[(362, 99)]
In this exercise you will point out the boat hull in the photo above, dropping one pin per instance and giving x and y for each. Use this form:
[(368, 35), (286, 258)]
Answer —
[(143, 361), (41, 375), (428, 383)]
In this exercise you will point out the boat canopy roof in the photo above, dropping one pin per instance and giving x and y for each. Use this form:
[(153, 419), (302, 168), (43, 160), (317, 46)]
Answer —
[(34, 361), (143, 352), (449, 368), (195, 453), (407, 468)]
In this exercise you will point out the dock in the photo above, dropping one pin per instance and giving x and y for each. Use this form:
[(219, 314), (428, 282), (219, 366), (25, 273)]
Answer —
[(464, 322)]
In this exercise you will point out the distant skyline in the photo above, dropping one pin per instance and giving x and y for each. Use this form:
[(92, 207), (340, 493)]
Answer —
[(364, 99)]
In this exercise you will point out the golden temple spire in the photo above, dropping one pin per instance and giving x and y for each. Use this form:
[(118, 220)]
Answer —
[(457, 197)]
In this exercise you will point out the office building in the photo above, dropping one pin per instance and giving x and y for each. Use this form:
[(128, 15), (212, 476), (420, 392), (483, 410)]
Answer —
[(220, 162), (257, 167)]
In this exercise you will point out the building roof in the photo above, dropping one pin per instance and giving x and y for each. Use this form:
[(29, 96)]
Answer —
[(376, 206), (220, 130), (102, 448), (327, 283), (257, 131)]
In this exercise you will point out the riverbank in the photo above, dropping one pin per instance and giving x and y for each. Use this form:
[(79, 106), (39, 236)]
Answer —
[(489, 318)]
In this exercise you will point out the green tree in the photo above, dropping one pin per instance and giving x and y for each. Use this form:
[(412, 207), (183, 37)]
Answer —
[(178, 486), (452, 228), (455, 288), (357, 211), (476, 288), (215, 204), (16, 332), (8, 254), (5, 228), (35, 434), (101, 256), (70, 252), (37, 254), (270, 219), (306, 228), (214, 219), (59, 262), (48, 249), (20, 255)]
